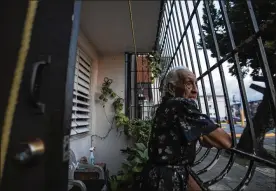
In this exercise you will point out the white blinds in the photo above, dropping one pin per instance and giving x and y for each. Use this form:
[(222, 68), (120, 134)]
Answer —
[(81, 98)]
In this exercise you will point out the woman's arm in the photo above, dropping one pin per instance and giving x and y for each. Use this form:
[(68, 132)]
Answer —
[(194, 125), (192, 184), (217, 138)]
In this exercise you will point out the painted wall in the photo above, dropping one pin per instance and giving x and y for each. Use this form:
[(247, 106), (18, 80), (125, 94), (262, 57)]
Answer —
[(107, 150)]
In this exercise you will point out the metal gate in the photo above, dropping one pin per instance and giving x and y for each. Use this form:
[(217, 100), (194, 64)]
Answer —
[(211, 37)]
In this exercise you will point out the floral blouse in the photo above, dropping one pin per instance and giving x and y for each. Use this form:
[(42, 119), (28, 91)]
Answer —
[(177, 126)]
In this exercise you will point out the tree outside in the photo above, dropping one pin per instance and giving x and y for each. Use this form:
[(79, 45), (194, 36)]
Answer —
[(249, 56)]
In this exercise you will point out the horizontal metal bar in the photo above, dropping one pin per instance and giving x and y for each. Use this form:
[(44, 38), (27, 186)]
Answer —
[(254, 157), (257, 88), (258, 78)]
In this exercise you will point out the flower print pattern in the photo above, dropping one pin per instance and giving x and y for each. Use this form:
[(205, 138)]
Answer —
[(172, 145)]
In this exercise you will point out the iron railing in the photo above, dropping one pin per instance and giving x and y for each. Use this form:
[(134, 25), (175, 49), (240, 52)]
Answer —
[(178, 44)]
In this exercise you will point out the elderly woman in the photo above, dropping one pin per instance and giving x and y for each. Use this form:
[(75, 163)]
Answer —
[(178, 125)]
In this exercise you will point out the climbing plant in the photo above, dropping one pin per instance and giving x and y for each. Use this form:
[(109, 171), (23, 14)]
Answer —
[(153, 59), (136, 129)]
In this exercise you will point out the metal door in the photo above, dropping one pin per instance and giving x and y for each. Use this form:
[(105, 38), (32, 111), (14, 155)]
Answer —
[(36, 75)]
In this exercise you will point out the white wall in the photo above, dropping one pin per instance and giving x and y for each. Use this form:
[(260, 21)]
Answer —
[(108, 150)]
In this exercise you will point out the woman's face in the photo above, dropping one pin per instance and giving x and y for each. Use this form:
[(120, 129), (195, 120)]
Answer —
[(187, 87)]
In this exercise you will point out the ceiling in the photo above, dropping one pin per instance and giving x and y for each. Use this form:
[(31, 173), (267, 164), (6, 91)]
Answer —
[(107, 25)]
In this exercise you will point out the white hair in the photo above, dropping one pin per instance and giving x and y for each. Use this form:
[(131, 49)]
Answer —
[(172, 78)]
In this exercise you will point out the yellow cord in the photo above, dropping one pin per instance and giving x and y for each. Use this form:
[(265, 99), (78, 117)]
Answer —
[(22, 54), (132, 27)]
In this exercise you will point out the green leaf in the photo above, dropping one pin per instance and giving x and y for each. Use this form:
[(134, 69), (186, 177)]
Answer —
[(140, 146), (137, 169), (137, 160)]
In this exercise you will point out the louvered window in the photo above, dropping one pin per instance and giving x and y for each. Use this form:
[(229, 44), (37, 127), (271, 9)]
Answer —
[(81, 94)]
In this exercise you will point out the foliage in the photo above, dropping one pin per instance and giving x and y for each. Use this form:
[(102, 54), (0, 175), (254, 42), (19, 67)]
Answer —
[(134, 164), (241, 28), (154, 64), (136, 129), (249, 56)]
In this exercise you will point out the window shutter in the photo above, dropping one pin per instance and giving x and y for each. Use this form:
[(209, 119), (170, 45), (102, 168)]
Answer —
[(81, 94)]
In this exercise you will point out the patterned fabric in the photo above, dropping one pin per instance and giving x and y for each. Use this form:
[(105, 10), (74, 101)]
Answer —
[(178, 124)]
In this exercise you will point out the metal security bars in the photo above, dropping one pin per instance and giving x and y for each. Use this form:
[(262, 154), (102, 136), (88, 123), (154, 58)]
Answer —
[(142, 93), (203, 36)]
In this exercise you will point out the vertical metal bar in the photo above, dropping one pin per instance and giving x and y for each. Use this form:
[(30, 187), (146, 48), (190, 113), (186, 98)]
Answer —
[(199, 66), (183, 21), (170, 50), (127, 83), (222, 77), (169, 39), (174, 32), (166, 53), (215, 160), (166, 31), (177, 35), (190, 53), (133, 87), (162, 3), (178, 32), (265, 67), (182, 37), (208, 66), (237, 67), (188, 46), (209, 74), (162, 31)]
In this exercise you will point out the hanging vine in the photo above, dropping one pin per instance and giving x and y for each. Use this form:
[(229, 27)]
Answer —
[(121, 120), (154, 64), (137, 129)]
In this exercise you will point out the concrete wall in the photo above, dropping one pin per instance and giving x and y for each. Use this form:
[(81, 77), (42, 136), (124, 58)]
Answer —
[(107, 150)]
